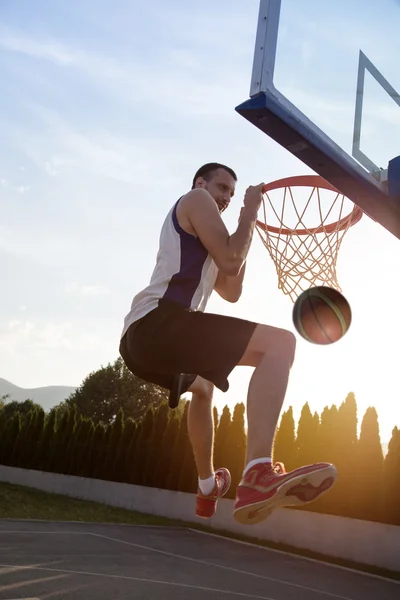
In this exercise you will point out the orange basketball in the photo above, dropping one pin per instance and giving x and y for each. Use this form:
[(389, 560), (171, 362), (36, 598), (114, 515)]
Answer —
[(321, 315)]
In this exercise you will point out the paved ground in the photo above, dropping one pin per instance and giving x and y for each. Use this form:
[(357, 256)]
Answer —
[(109, 562)]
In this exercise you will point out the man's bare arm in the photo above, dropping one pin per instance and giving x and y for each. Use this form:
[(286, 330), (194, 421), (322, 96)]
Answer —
[(230, 288), (228, 251)]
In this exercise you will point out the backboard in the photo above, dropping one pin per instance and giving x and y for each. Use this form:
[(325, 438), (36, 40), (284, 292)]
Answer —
[(325, 85)]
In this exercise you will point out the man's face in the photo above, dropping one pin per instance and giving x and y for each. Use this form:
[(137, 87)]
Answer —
[(221, 187)]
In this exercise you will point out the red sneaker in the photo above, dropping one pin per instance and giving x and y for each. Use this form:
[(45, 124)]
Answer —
[(265, 487), (206, 505)]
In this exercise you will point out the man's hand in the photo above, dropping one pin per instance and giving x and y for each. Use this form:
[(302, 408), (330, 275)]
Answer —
[(253, 197)]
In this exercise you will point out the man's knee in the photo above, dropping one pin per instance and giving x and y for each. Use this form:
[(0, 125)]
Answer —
[(202, 388), (286, 345), (269, 341)]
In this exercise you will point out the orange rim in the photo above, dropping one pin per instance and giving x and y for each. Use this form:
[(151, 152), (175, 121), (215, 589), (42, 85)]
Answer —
[(314, 181)]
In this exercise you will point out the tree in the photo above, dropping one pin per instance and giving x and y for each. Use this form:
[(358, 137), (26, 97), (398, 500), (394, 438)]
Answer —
[(119, 467), (221, 445), (152, 457), (33, 435), (117, 429), (57, 444), (43, 451), (10, 436), (83, 463), (96, 450), (23, 408), (344, 491), (368, 474), (78, 445), (104, 392), (391, 481), (307, 438), (284, 443), (143, 446), (328, 442), (165, 459), (186, 465), (236, 444)]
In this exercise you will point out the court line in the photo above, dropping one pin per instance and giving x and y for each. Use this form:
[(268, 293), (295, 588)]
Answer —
[(299, 556), (142, 579), (232, 569), (199, 561)]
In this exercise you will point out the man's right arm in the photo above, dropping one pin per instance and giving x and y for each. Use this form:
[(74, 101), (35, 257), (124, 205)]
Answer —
[(229, 252)]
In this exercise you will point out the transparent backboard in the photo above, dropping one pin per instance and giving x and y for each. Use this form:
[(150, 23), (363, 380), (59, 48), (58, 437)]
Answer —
[(317, 68), (331, 72)]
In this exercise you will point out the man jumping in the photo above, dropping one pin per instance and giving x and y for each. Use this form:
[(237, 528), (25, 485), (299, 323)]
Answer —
[(167, 333)]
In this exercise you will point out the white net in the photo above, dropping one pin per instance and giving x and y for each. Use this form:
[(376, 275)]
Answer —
[(303, 234)]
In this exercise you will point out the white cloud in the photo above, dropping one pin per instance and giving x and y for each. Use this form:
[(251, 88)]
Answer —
[(175, 85), (19, 189), (87, 290)]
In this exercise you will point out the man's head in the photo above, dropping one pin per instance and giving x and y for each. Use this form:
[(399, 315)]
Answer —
[(219, 180)]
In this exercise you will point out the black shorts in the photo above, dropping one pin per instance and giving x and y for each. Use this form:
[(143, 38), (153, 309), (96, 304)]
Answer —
[(172, 339)]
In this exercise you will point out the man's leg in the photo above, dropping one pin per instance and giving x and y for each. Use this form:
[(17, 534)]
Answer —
[(212, 485), (271, 351), (264, 486), (201, 426)]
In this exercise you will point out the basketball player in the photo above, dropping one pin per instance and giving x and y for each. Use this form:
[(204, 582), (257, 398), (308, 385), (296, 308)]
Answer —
[(167, 332)]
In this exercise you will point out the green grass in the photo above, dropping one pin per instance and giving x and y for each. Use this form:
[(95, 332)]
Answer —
[(17, 502)]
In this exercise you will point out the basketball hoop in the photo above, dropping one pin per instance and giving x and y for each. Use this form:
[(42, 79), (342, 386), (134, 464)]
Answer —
[(305, 252)]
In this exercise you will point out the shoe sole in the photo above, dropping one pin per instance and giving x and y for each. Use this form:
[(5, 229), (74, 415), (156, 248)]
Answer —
[(298, 491)]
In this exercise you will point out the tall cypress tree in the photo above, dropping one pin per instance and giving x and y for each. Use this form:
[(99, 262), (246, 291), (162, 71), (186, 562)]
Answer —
[(391, 481), (117, 429), (284, 443), (221, 445), (67, 440), (165, 464), (34, 434), (132, 452), (154, 448), (344, 492), (11, 435), (78, 444), (119, 467), (236, 454), (96, 450), (44, 446), (178, 452), (83, 461), (21, 443), (56, 453), (328, 442), (307, 438), (187, 481), (143, 446), (368, 475), (101, 470)]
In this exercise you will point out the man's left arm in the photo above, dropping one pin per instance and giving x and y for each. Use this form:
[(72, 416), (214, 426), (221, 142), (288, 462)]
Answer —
[(230, 288)]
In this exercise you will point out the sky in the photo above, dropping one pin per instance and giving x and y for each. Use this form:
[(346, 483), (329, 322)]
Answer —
[(106, 112)]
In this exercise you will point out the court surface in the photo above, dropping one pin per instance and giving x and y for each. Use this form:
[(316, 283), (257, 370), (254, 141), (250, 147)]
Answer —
[(41, 560)]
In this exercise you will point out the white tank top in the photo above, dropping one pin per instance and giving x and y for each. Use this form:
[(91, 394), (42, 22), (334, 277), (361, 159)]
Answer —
[(184, 273)]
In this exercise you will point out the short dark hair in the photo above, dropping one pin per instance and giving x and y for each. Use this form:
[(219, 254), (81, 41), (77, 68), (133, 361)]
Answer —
[(207, 172)]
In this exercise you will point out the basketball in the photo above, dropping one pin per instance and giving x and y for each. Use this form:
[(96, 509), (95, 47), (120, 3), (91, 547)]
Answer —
[(321, 315)]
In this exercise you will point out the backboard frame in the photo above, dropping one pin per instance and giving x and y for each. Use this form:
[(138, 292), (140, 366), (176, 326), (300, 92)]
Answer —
[(275, 115)]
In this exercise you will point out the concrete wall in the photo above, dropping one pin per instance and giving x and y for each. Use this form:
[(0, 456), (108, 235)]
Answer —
[(359, 541)]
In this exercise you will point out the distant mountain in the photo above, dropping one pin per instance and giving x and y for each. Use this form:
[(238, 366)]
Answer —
[(47, 397)]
